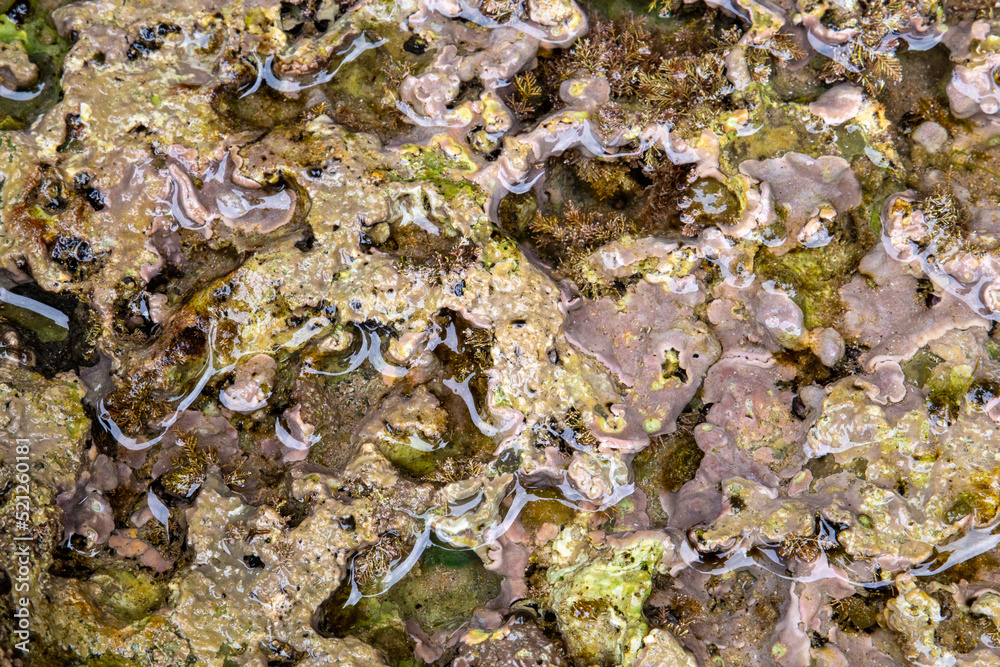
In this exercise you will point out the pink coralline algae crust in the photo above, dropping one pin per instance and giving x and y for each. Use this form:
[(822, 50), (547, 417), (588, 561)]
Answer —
[(656, 347)]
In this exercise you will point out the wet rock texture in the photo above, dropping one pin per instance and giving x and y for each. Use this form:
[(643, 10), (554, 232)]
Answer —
[(499, 332)]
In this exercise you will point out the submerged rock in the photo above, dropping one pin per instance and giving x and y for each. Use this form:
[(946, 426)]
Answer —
[(499, 333)]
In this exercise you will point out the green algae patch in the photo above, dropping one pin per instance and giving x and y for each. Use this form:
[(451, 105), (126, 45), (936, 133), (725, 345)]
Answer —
[(46, 49), (546, 509), (706, 202), (599, 606), (360, 97), (919, 368), (36, 33), (444, 589), (851, 141), (363, 93), (857, 612), (813, 277), (780, 131), (257, 111), (445, 166), (127, 596), (960, 509), (665, 466), (516, 212), (47, 330), (439, 593)]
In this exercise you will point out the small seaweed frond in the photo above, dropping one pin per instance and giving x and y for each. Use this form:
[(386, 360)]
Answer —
[(728, 38), (617, 50), (806, 548), (879, 68), (665, 618), (190, 453), (188, 467), (578, 268), (573, 236), (872, 61), (440, 264), (932, 110), (578, 229), (887, 66), (284, 553), (784, 47), (521, 109), (374, 562), (453, 470), (985, 12), (236, 475), (567, 435), (941, 209), (759, 55), (664, 8), (526, 86), (679, 86), (133, 405), (944, 220), (580, 431), (799, 548), (479, 344), (526, 96), (395, 71), (241, 532), (605, 178), (759, 65), (612, 118)]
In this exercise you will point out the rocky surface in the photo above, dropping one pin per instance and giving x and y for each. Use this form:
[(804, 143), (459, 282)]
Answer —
[(499, 332)]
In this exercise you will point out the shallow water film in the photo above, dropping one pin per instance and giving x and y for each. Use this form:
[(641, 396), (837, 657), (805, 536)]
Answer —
[(499, 333)]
